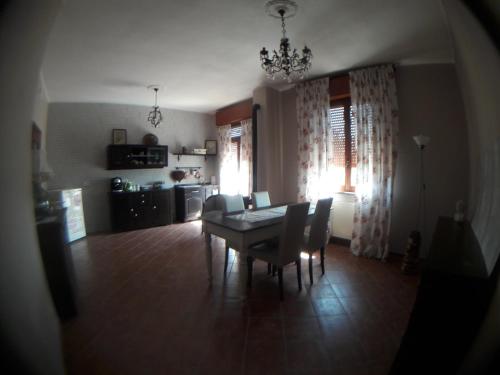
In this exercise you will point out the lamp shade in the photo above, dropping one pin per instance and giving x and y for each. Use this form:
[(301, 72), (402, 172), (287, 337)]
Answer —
[(421, 140)]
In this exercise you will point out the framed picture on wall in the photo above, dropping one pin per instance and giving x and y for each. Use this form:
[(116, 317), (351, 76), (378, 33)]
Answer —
[(119, 136), (211, 146)]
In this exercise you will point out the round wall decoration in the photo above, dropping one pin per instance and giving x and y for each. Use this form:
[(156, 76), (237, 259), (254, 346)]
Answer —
[(150, 139)]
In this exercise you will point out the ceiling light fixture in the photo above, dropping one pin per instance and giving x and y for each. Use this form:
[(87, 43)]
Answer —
[(287, 64), (155, 117)]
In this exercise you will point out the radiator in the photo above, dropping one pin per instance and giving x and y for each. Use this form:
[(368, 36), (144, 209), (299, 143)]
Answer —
[(341, 217)]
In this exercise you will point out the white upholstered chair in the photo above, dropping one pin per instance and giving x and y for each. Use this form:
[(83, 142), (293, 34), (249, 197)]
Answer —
[(231, 203), (288, 248), (317, 237), (260, 199), (212, 203)]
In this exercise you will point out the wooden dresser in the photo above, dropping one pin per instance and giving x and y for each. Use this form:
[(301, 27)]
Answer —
[(141, 209)]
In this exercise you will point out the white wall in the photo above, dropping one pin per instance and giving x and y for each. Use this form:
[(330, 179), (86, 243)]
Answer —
[(41, 109), (29, 327), (77, 137), (430, 103)]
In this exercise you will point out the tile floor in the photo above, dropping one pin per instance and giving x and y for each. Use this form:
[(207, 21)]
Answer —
[(146, 308)]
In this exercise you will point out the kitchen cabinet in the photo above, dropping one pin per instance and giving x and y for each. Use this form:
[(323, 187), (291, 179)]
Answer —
[(141, 209)]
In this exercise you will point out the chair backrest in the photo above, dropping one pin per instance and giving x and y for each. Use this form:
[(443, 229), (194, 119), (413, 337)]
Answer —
[(260, 199), (213, 203), (293, 232), (233, 203), (319, 225)]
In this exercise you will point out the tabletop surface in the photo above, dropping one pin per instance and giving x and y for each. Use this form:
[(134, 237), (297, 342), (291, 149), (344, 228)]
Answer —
[(248, 220)]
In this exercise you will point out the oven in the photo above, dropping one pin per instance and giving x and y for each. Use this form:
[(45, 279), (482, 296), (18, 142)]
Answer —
[(189, 202)]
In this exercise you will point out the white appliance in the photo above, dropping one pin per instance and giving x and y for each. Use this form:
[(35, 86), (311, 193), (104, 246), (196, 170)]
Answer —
[(74, 220)]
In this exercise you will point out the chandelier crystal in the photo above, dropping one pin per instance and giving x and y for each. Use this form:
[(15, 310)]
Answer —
[(287, 64), (155, 117)]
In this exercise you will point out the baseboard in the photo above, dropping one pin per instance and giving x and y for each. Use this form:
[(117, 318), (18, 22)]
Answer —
[(340, 241)]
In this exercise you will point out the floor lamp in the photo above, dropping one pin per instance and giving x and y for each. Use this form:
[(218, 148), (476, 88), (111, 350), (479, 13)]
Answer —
[(411, 258)]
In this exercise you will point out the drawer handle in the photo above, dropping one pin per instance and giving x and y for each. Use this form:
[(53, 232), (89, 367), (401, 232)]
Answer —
[(142, 195), (142, 201), (195, 191), (131, 210), (154, 207), (135, 215)]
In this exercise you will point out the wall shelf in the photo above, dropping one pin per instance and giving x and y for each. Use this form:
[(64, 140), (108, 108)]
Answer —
[(179, 154)]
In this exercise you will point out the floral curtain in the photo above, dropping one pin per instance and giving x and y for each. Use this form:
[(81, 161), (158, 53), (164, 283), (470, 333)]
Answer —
[(314, 140), (375, 111), (246, 172), (224, 158)]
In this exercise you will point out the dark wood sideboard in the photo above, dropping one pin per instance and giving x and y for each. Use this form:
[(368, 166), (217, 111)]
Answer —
[(454, 294), (142, 209)]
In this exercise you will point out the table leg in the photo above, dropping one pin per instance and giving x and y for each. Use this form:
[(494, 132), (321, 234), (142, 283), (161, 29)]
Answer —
[(208, 245)]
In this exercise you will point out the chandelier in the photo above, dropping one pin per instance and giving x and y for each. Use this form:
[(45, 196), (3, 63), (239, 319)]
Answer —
[(286, 64), (155, 117)]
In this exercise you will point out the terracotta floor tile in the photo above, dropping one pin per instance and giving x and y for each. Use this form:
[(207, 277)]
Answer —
[(145, 307), (307, 354), (301, 328), (328, 306), (269, 328), (265, 356)]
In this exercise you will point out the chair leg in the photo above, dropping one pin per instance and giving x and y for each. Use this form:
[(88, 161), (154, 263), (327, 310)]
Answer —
[(280, 281), (250, 271), (226, 259), (322, 251), (299, 273), (274, 270), (269, 267), (311, 268)]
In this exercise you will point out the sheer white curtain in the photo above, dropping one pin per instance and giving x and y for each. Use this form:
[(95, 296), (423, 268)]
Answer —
[(226, 167), (245, 172), (375, 111), (315, 140)]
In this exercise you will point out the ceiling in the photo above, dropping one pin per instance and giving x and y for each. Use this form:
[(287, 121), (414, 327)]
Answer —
[(205, 53)]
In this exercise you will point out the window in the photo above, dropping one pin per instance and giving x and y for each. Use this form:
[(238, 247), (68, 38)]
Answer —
[(236, 145), (344, 144), (232, 166)]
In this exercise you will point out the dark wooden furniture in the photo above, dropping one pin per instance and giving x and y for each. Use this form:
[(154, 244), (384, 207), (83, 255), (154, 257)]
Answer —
[(137, 156), (58, 264), (142, 209), (452, 299)]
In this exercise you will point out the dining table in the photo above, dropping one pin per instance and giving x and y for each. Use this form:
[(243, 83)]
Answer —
[(243, 229)]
